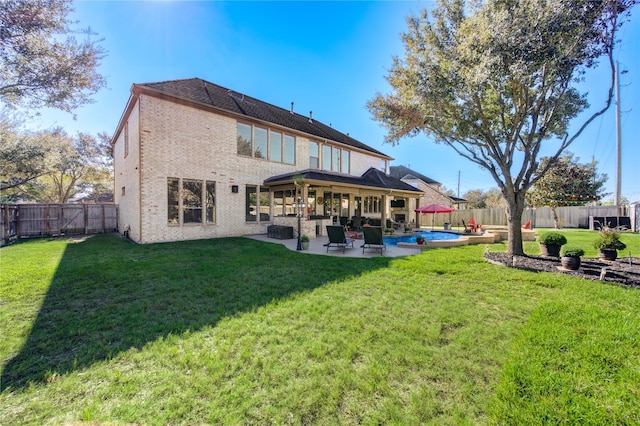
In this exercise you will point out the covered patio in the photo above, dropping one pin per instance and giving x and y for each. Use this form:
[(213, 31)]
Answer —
[(311, 199)]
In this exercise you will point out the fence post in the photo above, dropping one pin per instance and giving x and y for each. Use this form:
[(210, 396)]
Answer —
[(85, 209), (47, 224), (5, 213)]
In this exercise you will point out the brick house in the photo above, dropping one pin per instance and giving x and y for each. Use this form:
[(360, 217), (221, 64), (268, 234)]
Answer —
[(196, 160)]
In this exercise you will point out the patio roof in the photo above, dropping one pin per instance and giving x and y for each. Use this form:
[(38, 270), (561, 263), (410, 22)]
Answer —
[(373, 179)]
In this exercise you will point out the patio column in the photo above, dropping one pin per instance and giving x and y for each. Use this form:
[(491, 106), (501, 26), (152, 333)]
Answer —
[(385, 200)]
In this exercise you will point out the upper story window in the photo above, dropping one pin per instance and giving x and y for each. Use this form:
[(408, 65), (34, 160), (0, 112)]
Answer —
[(314, 155), (275, 146), (333, 158), (259, 142), (344, 163), (289, 149), (244, 139), (326, 157)]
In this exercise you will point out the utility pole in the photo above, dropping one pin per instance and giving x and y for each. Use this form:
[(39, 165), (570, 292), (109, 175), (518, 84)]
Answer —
[(618, 197)]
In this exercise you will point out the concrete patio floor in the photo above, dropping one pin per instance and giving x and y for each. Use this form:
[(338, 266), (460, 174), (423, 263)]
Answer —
[(316, 246)]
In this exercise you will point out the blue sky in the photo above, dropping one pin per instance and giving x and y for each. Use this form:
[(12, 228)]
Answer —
[(327, 57)]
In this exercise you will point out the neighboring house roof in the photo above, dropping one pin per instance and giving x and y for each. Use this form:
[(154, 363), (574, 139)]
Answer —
[(372, 178), (402, 172), (458, 200), (209, 94), (88, 199)]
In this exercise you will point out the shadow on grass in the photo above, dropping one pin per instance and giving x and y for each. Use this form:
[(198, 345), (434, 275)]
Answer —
[(109, 295)]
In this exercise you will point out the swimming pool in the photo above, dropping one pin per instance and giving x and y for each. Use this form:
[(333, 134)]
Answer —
[(393, 240)]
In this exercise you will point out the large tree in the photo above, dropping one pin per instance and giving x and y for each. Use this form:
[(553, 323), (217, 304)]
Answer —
[(567, 182), (42, 63), (495, 80), (22, 155), (73, 165)]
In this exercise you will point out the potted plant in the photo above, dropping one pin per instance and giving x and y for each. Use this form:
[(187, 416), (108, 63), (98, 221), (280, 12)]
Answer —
[(408, 228), (420, 239), (389, 231), (571, 258), (608, 242), (304, 241), (551, 242)]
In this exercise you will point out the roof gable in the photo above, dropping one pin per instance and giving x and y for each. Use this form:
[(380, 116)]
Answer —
[(402, 172), (204, 92)]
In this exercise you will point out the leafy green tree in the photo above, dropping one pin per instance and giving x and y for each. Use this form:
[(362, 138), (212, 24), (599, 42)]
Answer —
[(476, 199), (73, 165), (22, 155), (42, 64), (493, 199), (494, 80), (566, 183), (480, 199)]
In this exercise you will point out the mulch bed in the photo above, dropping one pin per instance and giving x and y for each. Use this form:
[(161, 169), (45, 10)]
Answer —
[(625, 270)]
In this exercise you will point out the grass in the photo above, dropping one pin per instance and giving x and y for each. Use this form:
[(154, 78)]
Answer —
[(235, 331)]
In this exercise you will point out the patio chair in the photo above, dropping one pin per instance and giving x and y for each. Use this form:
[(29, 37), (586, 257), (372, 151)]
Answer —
[(373, 239), (472, 225), (338, 238), (527, 225)]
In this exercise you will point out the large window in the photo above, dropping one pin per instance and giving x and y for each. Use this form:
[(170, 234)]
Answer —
[(186, 199), (211, 202), (344, 163), (267, 144), (191, 201), (326, 157), (173, 200), (335, 164), (261, 147), (251, 203), (314, 155), (257, 204), (333, 158), (244, 139), (275, 146), (283, 203), (289, 149)]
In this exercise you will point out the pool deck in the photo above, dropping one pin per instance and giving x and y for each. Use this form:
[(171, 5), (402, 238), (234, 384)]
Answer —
[(316, 246)]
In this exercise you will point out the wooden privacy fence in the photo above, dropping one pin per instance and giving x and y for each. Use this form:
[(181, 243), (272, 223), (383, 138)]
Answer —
[(38, 220), (569, 217)]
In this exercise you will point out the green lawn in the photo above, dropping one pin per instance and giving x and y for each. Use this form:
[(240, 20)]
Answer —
[(236, 331)]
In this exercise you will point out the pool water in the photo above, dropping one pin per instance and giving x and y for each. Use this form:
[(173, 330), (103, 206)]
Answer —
[(393, 240)]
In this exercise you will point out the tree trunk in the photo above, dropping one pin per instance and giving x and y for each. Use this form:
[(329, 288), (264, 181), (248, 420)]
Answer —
[(555, 218), (515, 208)]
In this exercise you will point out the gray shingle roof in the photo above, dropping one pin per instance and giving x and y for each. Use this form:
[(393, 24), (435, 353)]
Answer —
[(203, 92), (402, 172), (373, 178)]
